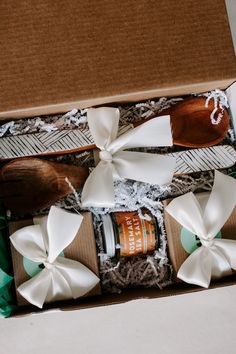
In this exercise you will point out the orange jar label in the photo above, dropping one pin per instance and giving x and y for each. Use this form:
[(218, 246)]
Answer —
[(137, 236)]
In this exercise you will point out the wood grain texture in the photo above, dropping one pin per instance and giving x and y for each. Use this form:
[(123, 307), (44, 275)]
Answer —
[(30, 184)]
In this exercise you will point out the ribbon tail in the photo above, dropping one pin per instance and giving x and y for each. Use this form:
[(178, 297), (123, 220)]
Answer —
[(187, 210), (197, 268), (205, 214), (221, 203), (103, 124), (154, 133), (29, 241), (228, 248), (79, 278), (65, 280), (98, 190), (144, 167), (62, 227), (35, 290)]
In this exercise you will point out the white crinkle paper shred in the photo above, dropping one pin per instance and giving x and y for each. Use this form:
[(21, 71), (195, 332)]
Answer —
[(148, 271)]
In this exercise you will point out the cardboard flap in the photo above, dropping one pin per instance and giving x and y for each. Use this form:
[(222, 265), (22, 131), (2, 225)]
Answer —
[(59, 55)]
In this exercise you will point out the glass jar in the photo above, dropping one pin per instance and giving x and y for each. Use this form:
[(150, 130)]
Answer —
[(126, 234)]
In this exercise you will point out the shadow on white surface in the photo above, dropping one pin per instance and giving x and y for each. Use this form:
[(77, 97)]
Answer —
[(202, 322)]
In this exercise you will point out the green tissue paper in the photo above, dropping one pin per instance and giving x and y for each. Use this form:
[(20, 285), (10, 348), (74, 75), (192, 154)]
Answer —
[(7, 293)]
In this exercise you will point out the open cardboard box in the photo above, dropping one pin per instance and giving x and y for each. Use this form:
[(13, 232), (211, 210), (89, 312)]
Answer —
[(61, 55)]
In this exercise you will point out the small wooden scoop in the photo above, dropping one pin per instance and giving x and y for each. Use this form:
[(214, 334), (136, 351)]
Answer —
[(191, 123), (30, 184)]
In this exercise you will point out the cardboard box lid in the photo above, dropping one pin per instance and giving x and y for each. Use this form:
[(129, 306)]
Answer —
[(55, 55)]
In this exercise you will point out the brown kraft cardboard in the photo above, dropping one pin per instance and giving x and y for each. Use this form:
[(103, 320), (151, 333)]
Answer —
[(82, 249), (177, 253)]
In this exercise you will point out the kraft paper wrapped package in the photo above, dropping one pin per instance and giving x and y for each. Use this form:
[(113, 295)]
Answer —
[(201, 232), (49, 266)]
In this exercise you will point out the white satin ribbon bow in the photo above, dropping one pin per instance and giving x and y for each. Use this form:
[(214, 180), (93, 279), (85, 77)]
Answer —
[(62, 278), (204, 215), (103, 123)]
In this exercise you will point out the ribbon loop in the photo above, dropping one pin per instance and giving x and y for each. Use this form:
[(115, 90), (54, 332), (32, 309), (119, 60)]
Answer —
[(205, 215), (103, 122), (61, 278)]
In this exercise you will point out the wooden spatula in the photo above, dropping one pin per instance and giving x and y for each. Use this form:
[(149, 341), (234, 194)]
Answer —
[(30, 184)]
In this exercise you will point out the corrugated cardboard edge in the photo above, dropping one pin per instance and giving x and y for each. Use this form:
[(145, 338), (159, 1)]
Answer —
[(123, 98)]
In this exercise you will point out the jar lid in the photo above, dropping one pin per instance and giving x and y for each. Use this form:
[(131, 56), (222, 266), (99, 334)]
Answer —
[(109, 235)]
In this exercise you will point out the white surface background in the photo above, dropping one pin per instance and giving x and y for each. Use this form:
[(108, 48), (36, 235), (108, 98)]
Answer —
[(231, 7), (202, 322)]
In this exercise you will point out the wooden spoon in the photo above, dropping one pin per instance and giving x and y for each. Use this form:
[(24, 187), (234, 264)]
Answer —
[(191, 123), (30, 184)]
